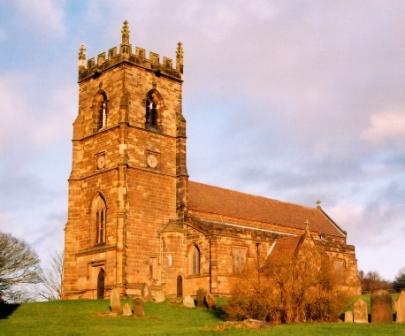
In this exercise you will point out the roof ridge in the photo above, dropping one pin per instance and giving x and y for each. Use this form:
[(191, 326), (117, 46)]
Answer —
[(253, 195)]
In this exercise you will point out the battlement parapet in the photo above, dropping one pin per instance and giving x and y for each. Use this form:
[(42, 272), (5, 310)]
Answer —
[(126, 53)]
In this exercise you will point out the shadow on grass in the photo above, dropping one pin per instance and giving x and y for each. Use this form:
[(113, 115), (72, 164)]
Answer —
[(7, 309), (218, 313)]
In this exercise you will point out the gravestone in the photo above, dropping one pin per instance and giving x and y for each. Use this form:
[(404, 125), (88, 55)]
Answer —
[(360, 314), (349, 317), (188, 302), (381, 306), (159, 296), (138, 307), (115, 301), (400, 306), (201, 293), (127, 310), (146, 292), (210, 301)]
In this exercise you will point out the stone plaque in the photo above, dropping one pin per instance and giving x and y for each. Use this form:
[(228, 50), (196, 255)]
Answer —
[(400, 305), (360, 314), (381, 306)]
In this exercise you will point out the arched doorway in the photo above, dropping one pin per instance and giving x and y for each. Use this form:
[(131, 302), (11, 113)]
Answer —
[(100, 284), (179, 286)]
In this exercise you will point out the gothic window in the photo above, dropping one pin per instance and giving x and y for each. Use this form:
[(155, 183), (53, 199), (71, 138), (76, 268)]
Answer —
[(152, 110), (194, 260), (238, 260), (100, 219), (102, 110)]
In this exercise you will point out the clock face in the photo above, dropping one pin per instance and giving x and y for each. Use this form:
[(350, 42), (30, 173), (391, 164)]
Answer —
[(152, 160), (100, 162)]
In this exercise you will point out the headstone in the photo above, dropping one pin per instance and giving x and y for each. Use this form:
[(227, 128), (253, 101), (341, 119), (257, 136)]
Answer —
[(126, 310), (188, 302), (349, 317), (381, 306), (201, 293), (115, 301), (360, 314), (159, 296), (210, 301), (138, 307), (400, 305)]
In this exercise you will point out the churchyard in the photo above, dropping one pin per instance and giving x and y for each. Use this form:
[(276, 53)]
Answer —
[(95, 318)]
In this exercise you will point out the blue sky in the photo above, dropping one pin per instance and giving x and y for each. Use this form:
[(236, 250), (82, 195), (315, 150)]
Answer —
[(293, 100)]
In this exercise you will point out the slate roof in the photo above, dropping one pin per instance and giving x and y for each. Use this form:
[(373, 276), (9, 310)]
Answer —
[(214, 200)]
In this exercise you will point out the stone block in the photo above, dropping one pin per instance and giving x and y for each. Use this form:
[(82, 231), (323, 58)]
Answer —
[(126, 310)]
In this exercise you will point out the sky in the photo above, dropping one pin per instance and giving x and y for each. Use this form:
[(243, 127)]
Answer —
[(295, 100)]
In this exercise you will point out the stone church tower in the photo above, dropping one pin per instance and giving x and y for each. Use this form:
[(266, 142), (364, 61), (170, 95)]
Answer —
[(135, 220), (129, 175)]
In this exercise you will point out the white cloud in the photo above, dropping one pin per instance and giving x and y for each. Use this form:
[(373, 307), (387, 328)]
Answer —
[(25, 121), (44, 15), (386, 127)]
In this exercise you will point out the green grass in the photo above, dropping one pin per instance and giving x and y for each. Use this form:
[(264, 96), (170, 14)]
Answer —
[(86, 318)]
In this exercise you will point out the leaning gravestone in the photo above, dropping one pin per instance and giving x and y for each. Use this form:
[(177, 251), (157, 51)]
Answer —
[(126, 310), (349, 317), (139, 307), (360, 314), (210, 301), (188, 302), (115, 302), (400, 305), (381, 306), (201, 293)]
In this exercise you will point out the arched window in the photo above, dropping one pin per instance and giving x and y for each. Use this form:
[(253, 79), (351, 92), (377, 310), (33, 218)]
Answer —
[(194, 260), (102, 110), (100, 218), (152, 110)]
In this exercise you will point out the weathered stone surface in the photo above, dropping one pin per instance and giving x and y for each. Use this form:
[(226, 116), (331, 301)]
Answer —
[(127, 310), (381, 307), (400, 307), (159, 296), (146, 295), (188, 301), (138, 307), (210, 301), (200, 300), (360, 314), (115, 301), (348, 316)]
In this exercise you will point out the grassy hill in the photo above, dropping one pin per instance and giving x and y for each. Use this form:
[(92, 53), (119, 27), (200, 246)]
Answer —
[(88, 318)]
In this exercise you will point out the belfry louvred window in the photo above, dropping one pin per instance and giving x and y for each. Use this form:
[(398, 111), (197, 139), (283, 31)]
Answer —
[(152, 110), (102, 110)]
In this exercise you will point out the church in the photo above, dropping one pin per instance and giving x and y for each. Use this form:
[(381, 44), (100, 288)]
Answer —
[(135, 220)]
